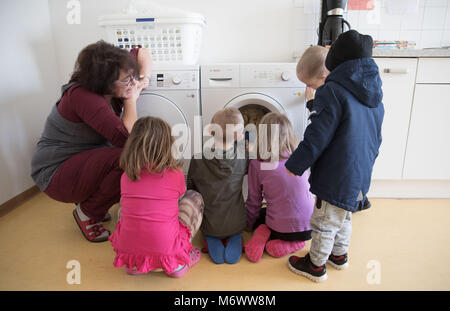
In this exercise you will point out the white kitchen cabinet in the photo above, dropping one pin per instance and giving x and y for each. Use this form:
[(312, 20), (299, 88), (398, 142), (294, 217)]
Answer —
[(428, 147), (398, 77), (433, 70)]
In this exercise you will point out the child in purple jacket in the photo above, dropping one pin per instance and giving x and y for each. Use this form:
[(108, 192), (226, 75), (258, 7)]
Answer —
[(282, 227)]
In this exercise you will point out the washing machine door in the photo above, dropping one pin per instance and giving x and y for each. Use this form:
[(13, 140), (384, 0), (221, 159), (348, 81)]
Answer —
[(256, 99), (155, 105)]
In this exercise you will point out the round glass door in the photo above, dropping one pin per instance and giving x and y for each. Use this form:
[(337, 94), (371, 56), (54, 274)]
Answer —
[(256, 99), (253, 107)]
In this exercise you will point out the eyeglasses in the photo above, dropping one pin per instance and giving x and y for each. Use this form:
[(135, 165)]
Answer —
[(130, 79)]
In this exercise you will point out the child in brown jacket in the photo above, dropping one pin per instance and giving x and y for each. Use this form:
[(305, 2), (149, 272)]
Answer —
[(218, 176)]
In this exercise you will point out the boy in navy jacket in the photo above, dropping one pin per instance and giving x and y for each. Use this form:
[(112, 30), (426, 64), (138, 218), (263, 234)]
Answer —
[(340, 146)]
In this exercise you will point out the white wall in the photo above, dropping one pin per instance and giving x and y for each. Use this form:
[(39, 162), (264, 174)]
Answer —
[(236, 31), (28, 88), (428, 27), (255, 30)]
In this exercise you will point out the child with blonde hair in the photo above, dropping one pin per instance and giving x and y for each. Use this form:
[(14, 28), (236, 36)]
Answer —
[(283, 226), (219, 178), (151, 234), (311, 70)]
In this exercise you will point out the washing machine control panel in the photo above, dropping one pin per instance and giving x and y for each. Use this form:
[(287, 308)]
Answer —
[(250, 75), (183, 80), (269, 75)]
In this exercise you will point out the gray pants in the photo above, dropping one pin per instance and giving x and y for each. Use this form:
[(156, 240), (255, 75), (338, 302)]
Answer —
[(331, 228)]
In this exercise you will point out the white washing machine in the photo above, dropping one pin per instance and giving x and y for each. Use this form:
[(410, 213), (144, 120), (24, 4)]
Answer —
[(174, 96), (273, 87)]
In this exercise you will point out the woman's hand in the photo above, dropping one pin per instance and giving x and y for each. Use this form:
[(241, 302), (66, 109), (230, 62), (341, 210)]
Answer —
[(144, 82), (135, 92), (310, 93), (145, 63), (129, 116)]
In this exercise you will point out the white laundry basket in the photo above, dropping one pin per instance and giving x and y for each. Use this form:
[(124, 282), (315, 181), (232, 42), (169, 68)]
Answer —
[(175, 40)]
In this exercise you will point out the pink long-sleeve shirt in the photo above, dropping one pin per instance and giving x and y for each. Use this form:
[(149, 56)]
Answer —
[(149, 234)]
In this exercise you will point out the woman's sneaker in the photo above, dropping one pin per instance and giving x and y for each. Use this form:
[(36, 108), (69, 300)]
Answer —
[(303, 266), (338, 262)]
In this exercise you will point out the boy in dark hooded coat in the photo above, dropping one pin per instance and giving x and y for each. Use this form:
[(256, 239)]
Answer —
[(340, 146)]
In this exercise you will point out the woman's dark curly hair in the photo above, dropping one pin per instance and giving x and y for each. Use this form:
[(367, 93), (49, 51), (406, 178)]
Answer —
[(98, 65)]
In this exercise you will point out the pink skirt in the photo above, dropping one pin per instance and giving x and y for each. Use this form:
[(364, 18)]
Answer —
[(153, 260)]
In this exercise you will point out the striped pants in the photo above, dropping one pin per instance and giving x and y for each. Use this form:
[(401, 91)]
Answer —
[(191, 208)]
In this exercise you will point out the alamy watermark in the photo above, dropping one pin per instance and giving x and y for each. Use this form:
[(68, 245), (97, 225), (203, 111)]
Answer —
[(249, 142), (374, 275), (74, 14), (74, 275)]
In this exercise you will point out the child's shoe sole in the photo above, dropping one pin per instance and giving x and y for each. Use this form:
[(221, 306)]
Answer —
[(338, 267), (307, 275)]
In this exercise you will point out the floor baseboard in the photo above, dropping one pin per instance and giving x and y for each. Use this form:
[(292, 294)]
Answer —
[(10, 205), (410, 189)]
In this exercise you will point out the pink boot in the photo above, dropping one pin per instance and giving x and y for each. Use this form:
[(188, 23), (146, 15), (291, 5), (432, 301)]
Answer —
[(195, 258), (279, 248), (255, 246)]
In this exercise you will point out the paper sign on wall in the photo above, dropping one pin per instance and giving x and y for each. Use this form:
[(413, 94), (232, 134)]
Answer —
[(361, 5)]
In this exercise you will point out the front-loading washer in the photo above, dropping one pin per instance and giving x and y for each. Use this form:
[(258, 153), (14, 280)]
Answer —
[(269, 87), (256, 87), (173, 95)]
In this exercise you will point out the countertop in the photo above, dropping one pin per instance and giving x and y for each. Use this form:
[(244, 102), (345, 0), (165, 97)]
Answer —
[(412, 53)]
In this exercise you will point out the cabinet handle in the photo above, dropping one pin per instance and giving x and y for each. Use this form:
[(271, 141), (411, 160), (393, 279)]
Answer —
[(220, 79), (396, 70)]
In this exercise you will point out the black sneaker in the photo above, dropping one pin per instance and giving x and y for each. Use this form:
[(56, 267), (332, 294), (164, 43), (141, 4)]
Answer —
[(338, 262), (303, 266)]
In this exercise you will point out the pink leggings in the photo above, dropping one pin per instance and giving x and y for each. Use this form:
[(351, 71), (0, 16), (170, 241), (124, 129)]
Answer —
[(91, 178)]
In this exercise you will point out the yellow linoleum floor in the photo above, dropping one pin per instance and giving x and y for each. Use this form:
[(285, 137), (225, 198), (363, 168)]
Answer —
[(395, 245)]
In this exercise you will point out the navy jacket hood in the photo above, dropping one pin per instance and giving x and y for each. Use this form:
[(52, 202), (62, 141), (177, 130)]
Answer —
[(361, 78), (342, 141)]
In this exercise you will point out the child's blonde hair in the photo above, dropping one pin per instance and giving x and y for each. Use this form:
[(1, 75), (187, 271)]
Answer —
[(312, 62), (287, 140), (226, 116), (149, 147)]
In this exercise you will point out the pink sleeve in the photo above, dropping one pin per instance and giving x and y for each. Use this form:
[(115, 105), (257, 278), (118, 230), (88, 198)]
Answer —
[(182, 183), (254, 198), (95, 111)]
